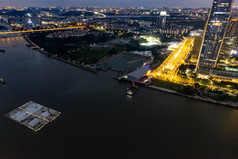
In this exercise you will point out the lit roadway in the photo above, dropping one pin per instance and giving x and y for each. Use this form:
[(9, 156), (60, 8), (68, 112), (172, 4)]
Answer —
[(40, 30), (169, 68)]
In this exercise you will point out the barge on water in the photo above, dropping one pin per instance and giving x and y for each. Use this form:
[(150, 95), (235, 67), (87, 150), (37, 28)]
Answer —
[(33, 115)]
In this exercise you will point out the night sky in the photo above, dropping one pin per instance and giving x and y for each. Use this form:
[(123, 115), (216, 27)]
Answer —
[(121, 3)]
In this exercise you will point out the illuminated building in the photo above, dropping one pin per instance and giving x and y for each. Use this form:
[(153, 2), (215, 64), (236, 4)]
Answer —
[(161, 20), (213, 35), (228, 41), (35, 19)]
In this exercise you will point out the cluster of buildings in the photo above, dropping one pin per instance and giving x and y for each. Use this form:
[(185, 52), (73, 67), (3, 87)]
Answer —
[(34, 19), (170, 28), (218, 43), (174, 29), (25, 18), (214, 50), (67, 34)]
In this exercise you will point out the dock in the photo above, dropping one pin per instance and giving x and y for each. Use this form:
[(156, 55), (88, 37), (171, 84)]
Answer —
[(33, 115)]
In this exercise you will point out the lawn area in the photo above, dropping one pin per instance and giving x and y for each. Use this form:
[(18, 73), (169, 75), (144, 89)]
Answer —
[(77, 49)]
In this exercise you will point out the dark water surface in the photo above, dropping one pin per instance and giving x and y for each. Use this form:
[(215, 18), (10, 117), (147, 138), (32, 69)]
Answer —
[(99, 121)]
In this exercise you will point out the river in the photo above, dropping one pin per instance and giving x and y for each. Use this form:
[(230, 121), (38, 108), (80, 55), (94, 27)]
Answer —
[(99, 121)]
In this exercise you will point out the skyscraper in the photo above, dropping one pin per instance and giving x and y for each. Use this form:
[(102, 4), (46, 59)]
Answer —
[(161, 20), (35, 19), (229, 41), (213, 35)]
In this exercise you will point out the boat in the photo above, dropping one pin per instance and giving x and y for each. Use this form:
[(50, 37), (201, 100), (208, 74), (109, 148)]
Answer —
[(2, 50), (2, 81), (131, 91)]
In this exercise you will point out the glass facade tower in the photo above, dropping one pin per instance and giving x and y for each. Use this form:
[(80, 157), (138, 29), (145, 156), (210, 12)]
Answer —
[(228, 41), (213, 35), (161, 20)]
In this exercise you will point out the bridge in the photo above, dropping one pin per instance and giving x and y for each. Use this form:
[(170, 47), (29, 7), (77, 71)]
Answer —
[(39, 30)]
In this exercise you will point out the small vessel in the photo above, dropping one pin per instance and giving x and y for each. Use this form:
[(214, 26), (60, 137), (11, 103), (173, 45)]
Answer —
[(2, 81), (2, 50), (131, 91)]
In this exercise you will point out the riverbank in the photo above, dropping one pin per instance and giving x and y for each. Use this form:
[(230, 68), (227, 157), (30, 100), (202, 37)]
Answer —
[(89, 68), (225, 103), (195, 97), (41, 50)]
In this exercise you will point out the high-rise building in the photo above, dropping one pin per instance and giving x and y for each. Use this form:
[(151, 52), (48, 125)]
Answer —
[(228, 41), (161, 20), (213, 35), (35, 19)]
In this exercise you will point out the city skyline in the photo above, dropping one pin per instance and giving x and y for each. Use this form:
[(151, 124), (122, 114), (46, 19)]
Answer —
[(103, 3), (115, 79)]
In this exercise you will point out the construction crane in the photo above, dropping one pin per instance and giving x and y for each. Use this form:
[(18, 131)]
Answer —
[(134, 61)]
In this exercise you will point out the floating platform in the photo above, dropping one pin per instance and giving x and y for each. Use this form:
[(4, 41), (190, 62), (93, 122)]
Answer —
[(33, 115)]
